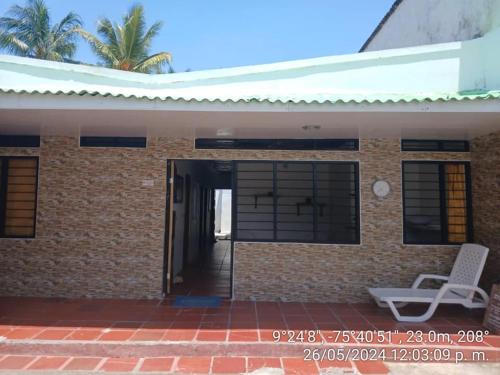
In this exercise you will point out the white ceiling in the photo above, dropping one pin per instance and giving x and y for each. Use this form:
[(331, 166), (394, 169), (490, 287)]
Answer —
[(248, 124)]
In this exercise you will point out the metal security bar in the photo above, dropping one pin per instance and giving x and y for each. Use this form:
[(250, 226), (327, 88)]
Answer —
[(18, 196), (436, 202), (434, 145), (278, 144), (134, 142), (288, 201), (19, 141)]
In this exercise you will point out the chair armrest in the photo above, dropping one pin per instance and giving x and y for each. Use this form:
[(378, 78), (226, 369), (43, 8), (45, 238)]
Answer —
[(473, 289), (424, 276)]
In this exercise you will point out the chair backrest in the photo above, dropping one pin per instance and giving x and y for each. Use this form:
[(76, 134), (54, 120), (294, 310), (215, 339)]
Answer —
[(468, 265)]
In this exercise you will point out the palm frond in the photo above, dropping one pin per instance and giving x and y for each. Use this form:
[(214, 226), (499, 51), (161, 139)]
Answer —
[(38, 14), (126, 46), (122, 47), (150, 62), (65, 45), (105, 30), (151, 33), (100, 48), (8, 23), (68, 36), (110, 36), (67, 49), (14, 45), (133, 31), (20, 29), (27, 31), (69, 22), (63, 36)]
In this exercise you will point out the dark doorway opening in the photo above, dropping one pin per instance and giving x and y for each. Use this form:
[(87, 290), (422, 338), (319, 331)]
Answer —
[(198, 262)]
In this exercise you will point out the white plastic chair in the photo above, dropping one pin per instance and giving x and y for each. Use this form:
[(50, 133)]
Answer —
[(460, 288)]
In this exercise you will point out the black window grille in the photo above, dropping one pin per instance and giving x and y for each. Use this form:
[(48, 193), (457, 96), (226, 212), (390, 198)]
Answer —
[(134, 142), (297, 201), (18, 196), (434, 145), (278, 144), (437, 202), (19, 141)]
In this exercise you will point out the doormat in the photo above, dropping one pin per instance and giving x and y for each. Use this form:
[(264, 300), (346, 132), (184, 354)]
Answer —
[(193, 301)]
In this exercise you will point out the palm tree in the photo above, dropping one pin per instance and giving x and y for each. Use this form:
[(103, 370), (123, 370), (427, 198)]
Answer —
[(126, 46), (27, 31)]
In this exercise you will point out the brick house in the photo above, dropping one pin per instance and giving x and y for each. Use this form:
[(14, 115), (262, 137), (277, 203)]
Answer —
[(345, 172)]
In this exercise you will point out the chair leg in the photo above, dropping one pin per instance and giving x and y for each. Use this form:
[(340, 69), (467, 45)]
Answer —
[(384, 305), (395, 311), (477, 303), (412, 319)]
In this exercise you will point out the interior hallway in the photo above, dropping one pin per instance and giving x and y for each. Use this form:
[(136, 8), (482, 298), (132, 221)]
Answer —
[(212, 277)]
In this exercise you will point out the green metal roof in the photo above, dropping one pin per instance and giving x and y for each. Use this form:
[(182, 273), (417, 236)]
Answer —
[(444, 72)]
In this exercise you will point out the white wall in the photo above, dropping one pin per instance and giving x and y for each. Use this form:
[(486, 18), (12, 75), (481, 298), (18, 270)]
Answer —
[(419, 22), (226, 211), (223, 211)]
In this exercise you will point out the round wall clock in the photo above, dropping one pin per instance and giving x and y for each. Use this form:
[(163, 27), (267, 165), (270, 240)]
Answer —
[(381, 188)]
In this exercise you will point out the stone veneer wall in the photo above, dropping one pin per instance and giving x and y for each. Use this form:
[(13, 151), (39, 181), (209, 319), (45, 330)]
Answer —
[(485, 170), (100, 232), (341, 273)]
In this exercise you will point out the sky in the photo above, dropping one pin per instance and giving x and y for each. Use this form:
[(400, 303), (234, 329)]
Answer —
[(225, 33)]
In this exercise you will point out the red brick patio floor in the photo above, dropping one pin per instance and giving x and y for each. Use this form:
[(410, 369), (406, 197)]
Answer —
[(238, 337)]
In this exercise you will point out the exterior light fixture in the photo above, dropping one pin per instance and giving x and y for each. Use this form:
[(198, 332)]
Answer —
[(224, 132), (308, 128)]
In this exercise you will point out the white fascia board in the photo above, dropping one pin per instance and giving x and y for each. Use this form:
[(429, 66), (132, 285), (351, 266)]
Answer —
[(62, 102)]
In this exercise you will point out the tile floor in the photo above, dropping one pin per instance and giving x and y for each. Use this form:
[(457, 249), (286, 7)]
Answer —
[(210, 278), (238, 337), (185, 365)]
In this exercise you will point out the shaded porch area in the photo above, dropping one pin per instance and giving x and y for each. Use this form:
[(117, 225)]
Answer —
[(237, 337)]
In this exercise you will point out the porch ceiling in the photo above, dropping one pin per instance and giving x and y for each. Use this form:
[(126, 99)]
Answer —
[(438, 125)]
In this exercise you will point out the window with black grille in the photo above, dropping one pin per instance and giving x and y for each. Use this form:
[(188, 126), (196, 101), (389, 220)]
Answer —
[(297, 201), (277, 144), (134, 142), (255, 201), (19, 141), (18, 194), (434, 145), (437, 203)]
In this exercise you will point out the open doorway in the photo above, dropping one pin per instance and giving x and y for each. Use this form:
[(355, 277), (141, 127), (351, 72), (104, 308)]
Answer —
[(223, 214), (198, 250)]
